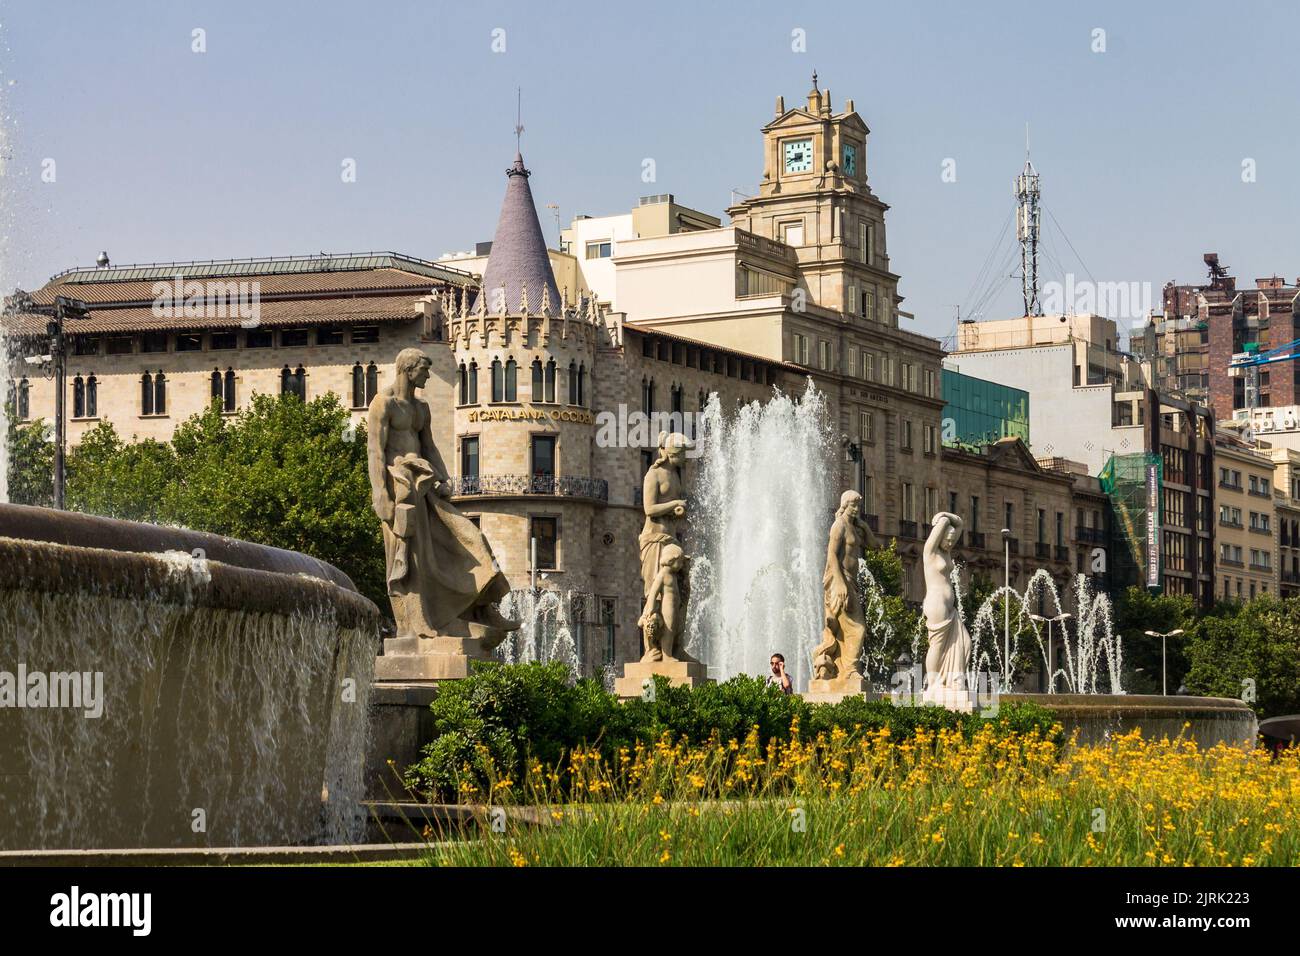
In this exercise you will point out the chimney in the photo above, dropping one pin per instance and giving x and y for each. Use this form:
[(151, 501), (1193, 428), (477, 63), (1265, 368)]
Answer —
[(780, 105)]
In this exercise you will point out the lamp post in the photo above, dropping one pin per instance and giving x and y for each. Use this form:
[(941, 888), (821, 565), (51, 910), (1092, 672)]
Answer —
[(1006, 607), (1164, 686), (1051, 667), (62, 309)]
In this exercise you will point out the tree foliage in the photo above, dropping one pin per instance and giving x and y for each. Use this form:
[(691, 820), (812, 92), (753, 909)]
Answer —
[(282, 472), (1249, 649)]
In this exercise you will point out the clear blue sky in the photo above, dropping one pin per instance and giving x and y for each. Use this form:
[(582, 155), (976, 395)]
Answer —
[(162, 153)]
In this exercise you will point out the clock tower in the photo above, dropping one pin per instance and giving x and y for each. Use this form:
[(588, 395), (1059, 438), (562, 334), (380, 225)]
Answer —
[(815, 198)]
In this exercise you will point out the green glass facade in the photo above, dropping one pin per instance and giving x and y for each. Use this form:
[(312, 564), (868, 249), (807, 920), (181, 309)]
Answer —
[(980, 412)]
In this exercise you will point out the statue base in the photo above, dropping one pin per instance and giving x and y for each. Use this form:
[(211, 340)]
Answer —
[(835, 689), (949, 697), (441, 657), (679, 673)]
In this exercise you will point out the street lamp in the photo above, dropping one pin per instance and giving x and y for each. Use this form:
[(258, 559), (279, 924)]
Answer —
[(1164, 686), (1006, 607), (62, 309), (1051, 667)]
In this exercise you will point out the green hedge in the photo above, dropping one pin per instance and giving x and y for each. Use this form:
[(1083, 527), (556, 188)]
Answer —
[(513, 712)]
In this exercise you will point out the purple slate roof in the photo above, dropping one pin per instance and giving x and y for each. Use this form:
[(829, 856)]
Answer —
[(518, 255)]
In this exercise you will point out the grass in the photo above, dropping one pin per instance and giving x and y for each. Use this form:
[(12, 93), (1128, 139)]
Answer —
[(939, 798)]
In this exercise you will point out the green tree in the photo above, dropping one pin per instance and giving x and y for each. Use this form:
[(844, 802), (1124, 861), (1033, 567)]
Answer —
[(1240, 648), (31, 461), (282, 472), (131, 480), (1138, 611)]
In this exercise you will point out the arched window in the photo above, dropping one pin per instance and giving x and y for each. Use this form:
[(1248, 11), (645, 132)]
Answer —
[(160, 394), (216, 390), (498, 382), (78, 397), (146, 394), (537, 393), (230, 390), (678, 399), (512, 381), (582, 384), (473, 383), (550, 380), (294, 383), (358, 386), (24, 400), (648, 395), (462, 384), (92, 397), (372, 382), (573, 383)]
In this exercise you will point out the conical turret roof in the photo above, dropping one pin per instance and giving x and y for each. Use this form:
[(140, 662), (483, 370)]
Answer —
[(518, 259)]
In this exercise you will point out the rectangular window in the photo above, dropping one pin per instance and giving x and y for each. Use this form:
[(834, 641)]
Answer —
[(974, 514), (868, 495), (85, 344), (931, 503), (851, 364), (258, 339), (544, 534), (224, 340), (153, 342), (189, 342), (905, 442), (329, 336), (600, 249), (869, 366), (869, 305), (792, 233), (293, 338), (1008, 516), (800, 349), (865, 252), (121, 345), (867, 426), (823, 355), (929, 439), (365, 334), (929, 383), (543, 463), (908, 501), (469, 459)]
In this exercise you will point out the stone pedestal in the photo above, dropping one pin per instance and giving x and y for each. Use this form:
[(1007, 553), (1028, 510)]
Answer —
[(836, 689), (951, 698), (444, 657), (679, 673)]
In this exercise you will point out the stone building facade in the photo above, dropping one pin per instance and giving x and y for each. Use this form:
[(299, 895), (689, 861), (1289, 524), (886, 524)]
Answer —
[(1246, 523), (527, 369)]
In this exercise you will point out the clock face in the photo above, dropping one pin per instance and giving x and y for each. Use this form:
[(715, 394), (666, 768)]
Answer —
[(798, 156), (850, 163)]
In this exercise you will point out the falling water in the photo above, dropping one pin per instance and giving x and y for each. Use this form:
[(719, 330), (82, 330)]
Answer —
[(552, 630), (7, 222), (761, 506), (1083, 647), (219, 727)]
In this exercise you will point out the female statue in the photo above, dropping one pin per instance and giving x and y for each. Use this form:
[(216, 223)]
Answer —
[(663, 498), (844, 631), (948, 655), (440, 568)]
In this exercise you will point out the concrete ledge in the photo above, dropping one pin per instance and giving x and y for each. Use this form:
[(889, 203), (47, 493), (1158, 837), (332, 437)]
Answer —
[(218, 856)]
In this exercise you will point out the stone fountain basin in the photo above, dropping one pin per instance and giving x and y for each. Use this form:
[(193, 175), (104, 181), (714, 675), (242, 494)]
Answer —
[(235, 678), (1207, 720)]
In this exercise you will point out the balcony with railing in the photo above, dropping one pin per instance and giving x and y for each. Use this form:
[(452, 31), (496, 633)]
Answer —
[(907, 529), (511, 486), (1042, 550)]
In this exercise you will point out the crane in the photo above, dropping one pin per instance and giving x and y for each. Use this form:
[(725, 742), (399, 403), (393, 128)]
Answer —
[(1248, 363)]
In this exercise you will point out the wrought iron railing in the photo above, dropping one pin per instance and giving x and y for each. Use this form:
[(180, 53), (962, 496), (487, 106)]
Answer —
[(563, 486)]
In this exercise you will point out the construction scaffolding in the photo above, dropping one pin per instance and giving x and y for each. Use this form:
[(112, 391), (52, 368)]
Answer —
[(1133, 483)]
